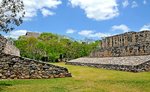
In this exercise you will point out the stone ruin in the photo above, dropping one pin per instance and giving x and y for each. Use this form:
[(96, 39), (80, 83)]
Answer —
[(12, 66), (127, 44), (125, 52), (32, 34), (7, 47)]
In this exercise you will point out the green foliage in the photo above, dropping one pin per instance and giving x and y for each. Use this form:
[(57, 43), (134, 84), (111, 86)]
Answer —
[(52, 47)]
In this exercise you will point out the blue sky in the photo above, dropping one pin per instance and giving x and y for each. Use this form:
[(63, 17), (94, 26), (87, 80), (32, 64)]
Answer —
[(84, 18)]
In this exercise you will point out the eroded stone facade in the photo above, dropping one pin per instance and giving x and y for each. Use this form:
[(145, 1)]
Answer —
[(7, 47), (127, 44), (11, 49), (32, 34)]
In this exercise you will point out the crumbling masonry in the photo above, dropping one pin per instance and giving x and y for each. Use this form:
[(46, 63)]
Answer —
[(127, 44)]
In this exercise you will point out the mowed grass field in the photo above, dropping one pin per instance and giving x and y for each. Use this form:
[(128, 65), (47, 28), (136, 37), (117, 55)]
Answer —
[(85, 79)]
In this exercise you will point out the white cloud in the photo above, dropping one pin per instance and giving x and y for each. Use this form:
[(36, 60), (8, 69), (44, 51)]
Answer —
[(92, 34), (33, 6), (16, 34), (70, 31), (46, 12), (121, 27), (97, 9), (99, 35), (144, 2), (145, 27), (85, 32), (134, 4), (125, 3)]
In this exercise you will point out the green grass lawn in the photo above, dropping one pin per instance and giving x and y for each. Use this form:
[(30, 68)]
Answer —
[(84, 79)]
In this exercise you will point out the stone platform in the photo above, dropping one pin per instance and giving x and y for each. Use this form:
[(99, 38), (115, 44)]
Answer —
[(15, 67), (128, 63)]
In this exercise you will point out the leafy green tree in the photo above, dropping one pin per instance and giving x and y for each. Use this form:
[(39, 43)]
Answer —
[(53, 48), (47, 36)]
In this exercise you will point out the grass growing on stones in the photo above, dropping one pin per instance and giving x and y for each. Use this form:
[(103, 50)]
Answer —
[(85, 79)]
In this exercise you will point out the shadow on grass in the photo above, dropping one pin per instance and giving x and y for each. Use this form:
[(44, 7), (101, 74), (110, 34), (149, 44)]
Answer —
[(3, 86)]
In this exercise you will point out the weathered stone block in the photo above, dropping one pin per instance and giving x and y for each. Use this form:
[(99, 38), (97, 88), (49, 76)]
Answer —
[(7, 47)]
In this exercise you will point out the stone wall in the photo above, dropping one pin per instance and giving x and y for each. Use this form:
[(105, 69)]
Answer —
[(131, 50), (11, 49), (126, 39), (129, 68), (7, 47), (127, 44), (14, 67), (3, 42)]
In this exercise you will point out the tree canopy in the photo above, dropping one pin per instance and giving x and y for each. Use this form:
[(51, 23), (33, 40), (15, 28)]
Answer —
[(52, 47), (11, 14)]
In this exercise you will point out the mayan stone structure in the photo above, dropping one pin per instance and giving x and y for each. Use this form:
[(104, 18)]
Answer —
[(127, 44), (7, 47), (32, 34), (12, 66), (125, 52)]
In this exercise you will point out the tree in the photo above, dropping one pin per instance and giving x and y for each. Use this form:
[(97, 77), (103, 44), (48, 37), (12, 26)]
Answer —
[(53, 47), (11, 14), (48, 36)]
